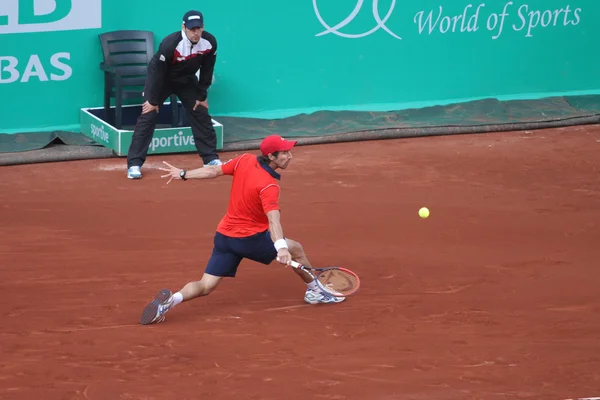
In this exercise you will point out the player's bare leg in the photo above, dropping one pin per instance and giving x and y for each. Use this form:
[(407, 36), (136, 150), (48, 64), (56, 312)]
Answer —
[(155, 311), (313, 294), (298, 255), (203, 287)]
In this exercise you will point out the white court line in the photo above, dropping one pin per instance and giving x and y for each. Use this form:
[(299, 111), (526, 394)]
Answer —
[(122, 166)]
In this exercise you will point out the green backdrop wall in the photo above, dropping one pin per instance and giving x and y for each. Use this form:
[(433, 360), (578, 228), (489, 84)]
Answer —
[(279, 58)]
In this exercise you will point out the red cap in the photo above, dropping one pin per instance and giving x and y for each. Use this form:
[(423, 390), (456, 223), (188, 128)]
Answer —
[(274, 143)]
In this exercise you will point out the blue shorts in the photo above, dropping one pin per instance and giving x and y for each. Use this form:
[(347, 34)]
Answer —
[(228, 252)]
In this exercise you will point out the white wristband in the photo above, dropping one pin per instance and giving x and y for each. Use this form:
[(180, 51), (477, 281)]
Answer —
[(280, 244)]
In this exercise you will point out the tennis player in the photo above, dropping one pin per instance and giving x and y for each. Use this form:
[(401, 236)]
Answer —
[(250, 229)]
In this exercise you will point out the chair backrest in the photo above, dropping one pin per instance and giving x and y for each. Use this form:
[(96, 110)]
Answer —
[(128, 52)]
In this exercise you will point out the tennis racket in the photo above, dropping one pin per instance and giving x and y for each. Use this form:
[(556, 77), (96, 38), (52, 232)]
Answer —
[(336, 281)]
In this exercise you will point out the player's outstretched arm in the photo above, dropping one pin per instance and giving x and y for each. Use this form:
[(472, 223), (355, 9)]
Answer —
[(283, 254), (208, 172)]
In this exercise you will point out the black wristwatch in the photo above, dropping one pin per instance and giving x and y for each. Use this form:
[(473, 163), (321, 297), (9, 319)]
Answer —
[(182, 174)]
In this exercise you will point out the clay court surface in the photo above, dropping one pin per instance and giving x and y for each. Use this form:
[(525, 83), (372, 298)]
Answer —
[(494, 296)]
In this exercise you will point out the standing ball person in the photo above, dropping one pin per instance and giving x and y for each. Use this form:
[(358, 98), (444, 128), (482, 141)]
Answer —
[(173, 70)]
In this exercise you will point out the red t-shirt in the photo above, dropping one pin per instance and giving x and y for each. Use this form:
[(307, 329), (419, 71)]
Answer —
[(254, 192)]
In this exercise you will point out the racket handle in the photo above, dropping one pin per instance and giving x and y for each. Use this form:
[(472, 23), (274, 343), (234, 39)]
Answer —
[(293, 264)]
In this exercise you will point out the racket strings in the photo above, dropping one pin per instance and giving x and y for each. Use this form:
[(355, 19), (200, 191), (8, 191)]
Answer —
[(338, 282)]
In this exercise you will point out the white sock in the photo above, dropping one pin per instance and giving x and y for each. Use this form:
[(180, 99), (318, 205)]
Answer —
[(177, 298), (312, 285)]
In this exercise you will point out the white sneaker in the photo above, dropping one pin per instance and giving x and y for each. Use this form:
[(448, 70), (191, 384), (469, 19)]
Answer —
[(134, 172), (318, 297), (155, 311), (214, 162)]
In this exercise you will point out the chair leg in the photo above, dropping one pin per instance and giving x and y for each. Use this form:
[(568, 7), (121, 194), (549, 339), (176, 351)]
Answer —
[(107, 89), (107, 107), (118, 108)]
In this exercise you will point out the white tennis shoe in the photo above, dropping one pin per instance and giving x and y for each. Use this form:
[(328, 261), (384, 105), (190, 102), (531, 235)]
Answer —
[(134, 172), (318, 297), (214, 163), (155, 311)]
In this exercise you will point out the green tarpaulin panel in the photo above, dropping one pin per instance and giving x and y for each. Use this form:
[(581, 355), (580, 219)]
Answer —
[(487, 115)]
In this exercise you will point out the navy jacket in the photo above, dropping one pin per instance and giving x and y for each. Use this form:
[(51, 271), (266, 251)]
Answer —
[(176, 63)]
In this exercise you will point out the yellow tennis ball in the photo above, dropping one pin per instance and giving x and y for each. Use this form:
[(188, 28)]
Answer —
[(424, 212)]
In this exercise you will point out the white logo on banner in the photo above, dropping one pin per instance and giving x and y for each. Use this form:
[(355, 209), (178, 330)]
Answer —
[(380, 22), (524, 18), (99, 133), (21, 16), (173, 141), (14, 70)]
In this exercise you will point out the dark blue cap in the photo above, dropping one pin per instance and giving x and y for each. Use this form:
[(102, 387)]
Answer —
[(193, 19)]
